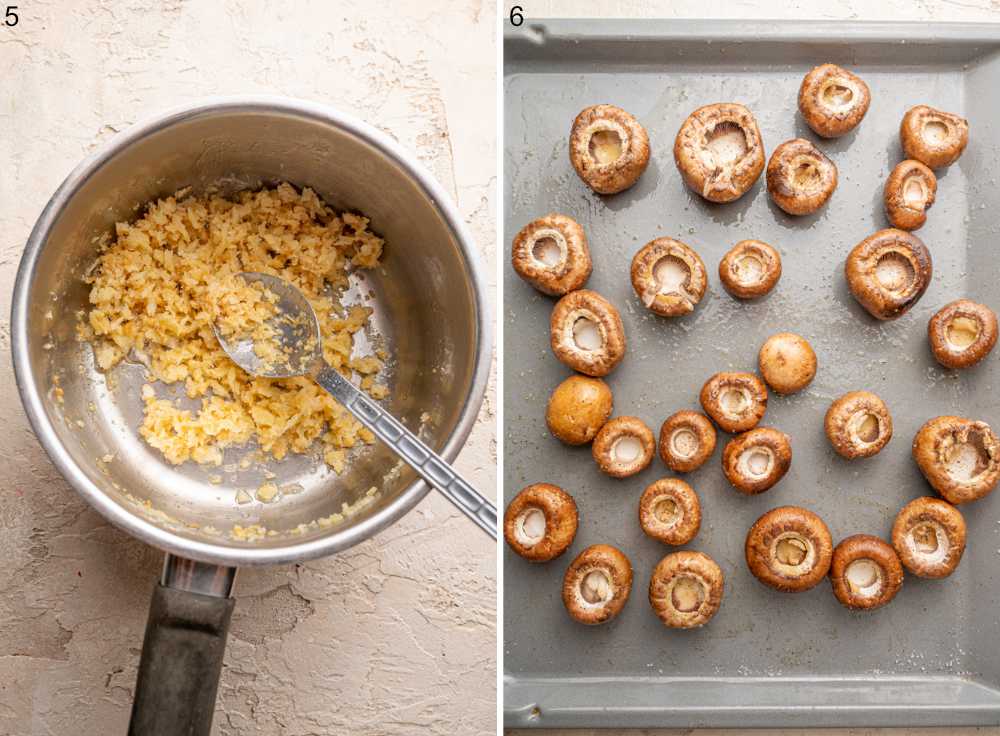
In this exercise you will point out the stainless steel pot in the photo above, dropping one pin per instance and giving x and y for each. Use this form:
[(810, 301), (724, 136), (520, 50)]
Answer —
[(430, 308)]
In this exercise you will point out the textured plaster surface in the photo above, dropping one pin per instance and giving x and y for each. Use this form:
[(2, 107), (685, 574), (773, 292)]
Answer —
[(396, 636), (916, 10)]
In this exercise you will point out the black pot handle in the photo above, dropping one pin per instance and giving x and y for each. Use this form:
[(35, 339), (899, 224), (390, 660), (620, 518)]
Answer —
[(183, 649)]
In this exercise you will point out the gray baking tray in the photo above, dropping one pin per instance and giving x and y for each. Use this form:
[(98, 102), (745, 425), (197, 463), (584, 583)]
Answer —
[(767, 659)]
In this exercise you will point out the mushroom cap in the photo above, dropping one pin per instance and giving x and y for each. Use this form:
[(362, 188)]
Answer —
[(578, 408), (569, 271), (683, 525), (701, 429), (773, 444), (800, 194), (713, 394), (561, 520), (586, 304), (952, 355), (941, 148), (777, 525), (750, 283), (675, 567), (650, 277), (909, 192), (715, 180), (948, 526), (844, 419), (603, 448), (823, 106), (614, 176), (891, 293), (889, 578), (959, 457), (615, 566), (787, 362)]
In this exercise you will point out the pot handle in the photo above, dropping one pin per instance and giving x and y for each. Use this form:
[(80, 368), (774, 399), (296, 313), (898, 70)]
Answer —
[(183, 649)]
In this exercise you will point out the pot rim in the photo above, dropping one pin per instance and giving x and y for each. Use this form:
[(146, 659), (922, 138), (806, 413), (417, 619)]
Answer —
[(136, 525)]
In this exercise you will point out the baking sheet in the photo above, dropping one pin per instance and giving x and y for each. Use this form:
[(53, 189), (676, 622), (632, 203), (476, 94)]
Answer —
[(767, 659)]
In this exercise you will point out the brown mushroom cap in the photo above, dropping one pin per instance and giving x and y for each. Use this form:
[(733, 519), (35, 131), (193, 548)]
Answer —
[(623, 447), (669, 511), (865, 572), (685, 589), (858, 424), (608, 148), (597, 584), (962, 333), (736, 401), (832, 100), (540, 522), (959, 457), (787, 362), (687, 440), (719, 151), (800, 178), (909, 193), (789, 548), (578, 408), (756, 460), (551, 254), (929, 537), (750, 269), (669, 277), (888, 272), (933, 137), (587, 333)]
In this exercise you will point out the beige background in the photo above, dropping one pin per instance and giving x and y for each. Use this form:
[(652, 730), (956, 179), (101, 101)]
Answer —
[(396, 636), (950, 10)]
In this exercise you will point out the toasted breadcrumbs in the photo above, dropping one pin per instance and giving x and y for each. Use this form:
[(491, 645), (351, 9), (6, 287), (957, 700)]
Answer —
[(155, 291)]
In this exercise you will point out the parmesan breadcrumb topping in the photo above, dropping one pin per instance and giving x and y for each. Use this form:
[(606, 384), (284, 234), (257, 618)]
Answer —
[(158, 286)]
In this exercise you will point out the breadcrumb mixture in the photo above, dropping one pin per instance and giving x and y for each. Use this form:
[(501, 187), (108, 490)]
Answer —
[(157, 287), (247, 312)]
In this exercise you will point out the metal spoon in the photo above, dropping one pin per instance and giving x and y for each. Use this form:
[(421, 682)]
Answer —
[(300, 340)]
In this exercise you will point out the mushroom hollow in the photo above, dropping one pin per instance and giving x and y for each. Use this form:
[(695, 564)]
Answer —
[(858, 424), (529, 527), (668, 277), (787, 362), (755, 461), (888, 272), (608, 148), (586, 333), (578, 408), (962, 333), (832, 100), (597, 584), (750, 269), (719, 152), (933, 137), (736, 401), (685, 589), (865, 572), (540, 522), (909, 192), (624, 446), (669, 511), (800, 178), (687, 440), (959, 457), (929, 537), (789, 548)]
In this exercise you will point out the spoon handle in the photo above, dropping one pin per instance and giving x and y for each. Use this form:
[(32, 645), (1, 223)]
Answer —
[(413, 451)]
